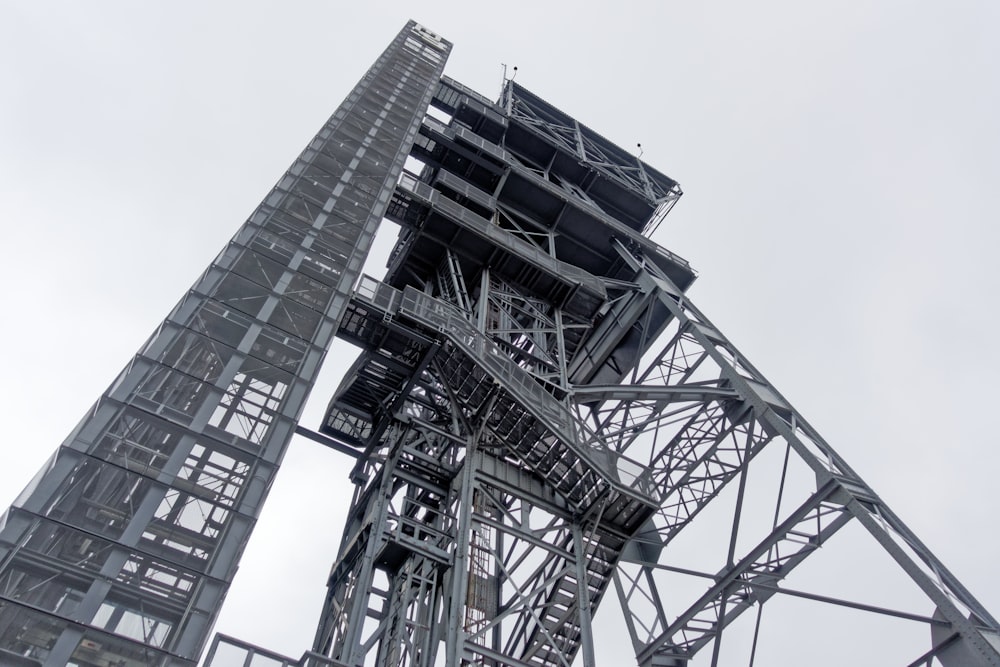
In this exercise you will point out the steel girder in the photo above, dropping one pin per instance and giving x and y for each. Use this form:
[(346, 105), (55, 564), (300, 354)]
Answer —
[(695, 446), (520, 441), (506, 563), (580, 435), (486, 488)]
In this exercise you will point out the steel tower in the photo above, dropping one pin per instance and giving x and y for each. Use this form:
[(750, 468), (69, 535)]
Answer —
[(539, 416)]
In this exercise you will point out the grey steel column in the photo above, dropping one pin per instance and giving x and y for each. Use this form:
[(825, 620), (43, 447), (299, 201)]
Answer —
[(122, 549)]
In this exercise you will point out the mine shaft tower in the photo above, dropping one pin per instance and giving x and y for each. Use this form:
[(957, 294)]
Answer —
[(537, 413)]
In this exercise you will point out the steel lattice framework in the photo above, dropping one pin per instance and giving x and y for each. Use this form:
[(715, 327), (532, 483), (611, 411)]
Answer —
[(539, 416)]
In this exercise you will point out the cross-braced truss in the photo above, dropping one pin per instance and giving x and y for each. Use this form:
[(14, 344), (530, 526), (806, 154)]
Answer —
[(702, 435), (498, 509), (540, 415)]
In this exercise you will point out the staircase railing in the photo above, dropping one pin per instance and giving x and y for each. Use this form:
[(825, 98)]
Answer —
[(622, 474)]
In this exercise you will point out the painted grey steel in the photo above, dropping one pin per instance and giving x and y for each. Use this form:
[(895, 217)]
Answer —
[(122, 549), (540, 411), (232, 652), (538, 416)]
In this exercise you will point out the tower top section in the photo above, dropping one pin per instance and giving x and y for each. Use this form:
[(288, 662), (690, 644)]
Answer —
[(638, 194)]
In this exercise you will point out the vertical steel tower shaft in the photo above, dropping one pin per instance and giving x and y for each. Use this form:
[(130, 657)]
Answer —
[(122, 549), (539, 416)]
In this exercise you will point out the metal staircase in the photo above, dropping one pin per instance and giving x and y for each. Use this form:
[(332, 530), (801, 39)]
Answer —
[(558, 632), (536, 428)]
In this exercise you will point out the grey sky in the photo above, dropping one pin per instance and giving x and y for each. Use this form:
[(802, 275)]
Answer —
[(840, 164)]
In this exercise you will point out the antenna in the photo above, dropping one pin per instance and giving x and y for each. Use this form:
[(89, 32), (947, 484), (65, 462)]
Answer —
[(639, 146), (503, 84)]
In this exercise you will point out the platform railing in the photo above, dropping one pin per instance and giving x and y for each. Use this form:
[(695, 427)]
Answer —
[(227, 651), (622, 473)]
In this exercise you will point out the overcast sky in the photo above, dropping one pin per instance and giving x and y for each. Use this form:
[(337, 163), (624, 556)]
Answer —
[(840, 163)]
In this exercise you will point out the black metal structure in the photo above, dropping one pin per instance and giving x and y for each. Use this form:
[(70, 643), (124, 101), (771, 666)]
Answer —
[(538, 413)]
